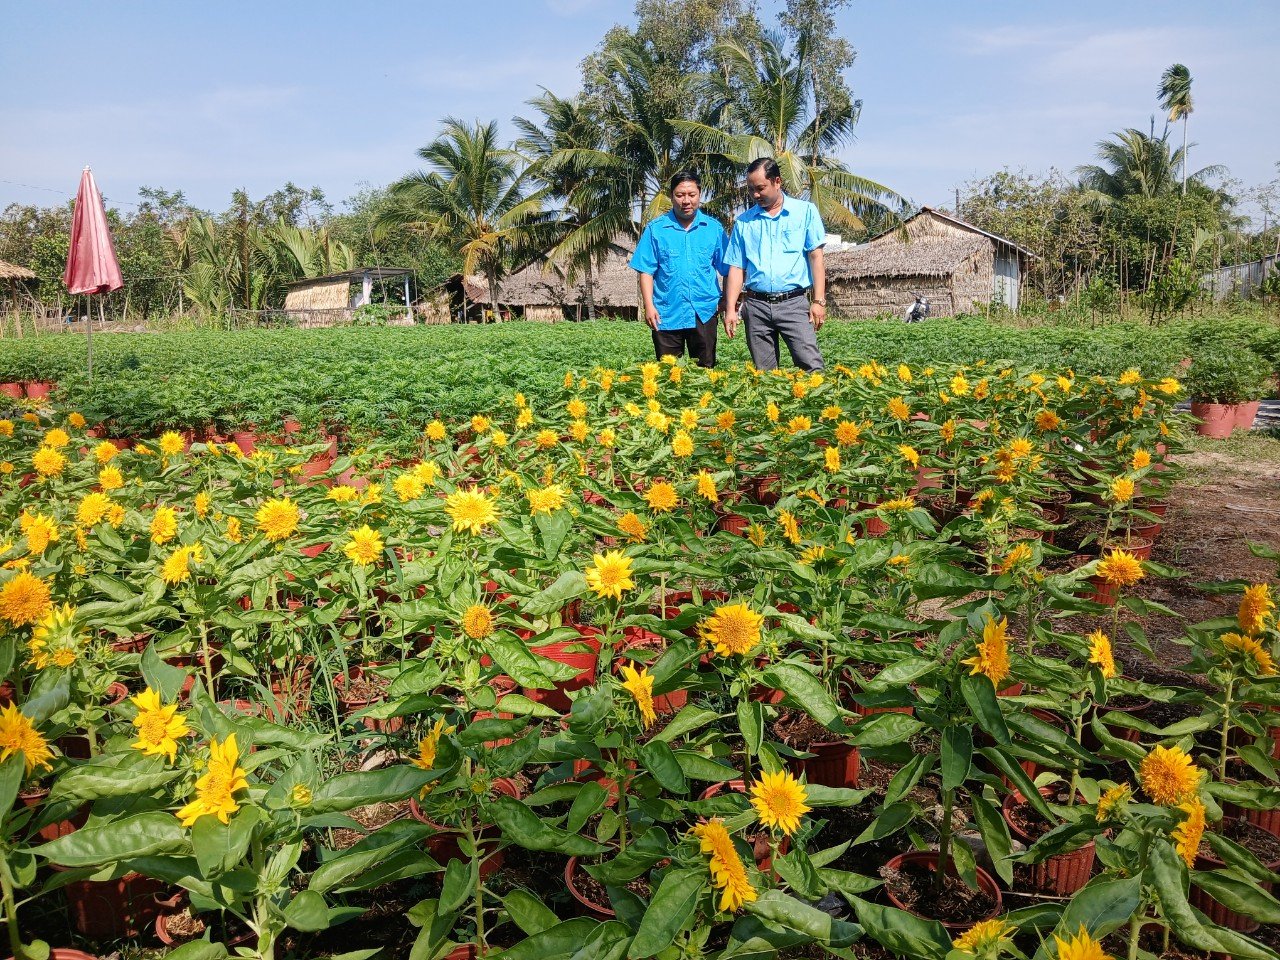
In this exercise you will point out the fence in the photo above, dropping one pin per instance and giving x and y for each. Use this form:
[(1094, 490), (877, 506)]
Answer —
[(1238, 280)]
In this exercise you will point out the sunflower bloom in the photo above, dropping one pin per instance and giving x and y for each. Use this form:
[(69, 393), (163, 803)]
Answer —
[(909, 454), (847, 433), (547, 499), (19, 735), (1256, 607), (48, 462), (992, 659), (1047, 420), (707, 487), (639, 683), (985, 938), (1019, 555), (733, 630), (1121, 489), (1080, 947), (57, 438), (1186, 835), (1120, 568), (831, 459), (471, 511), (177, 568), (40, 531), (477, 621), (790, 526), (898, 409), (110, 478), (159, 727), (54, 642), (661, 497), (1101, 655), (1113, 801), (93, 508), (364, 546), (633, 527), (727, 872), (682, 444), (610, 574), (429, 746), (1168, 776), (24, 600), (171, 443), (216, 789), (408, 486), (1252, 648), (164, 525), (1141, 459), (278, 519), (779, 799)]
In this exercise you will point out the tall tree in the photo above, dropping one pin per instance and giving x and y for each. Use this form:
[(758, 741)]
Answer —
[(568, 154), (768, 110), (473, 197), (1134, 163), (1175, 100)]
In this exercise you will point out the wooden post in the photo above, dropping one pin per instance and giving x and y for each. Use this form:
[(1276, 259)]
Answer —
[(408, 304)]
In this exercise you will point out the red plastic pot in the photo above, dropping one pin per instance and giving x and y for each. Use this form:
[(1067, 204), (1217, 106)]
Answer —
[(598, 911), (443, 844), (872, 526), (1217, 420), (1245, 414), (733, 523), (349, 705), (834, 763), (12, 389), (52, 831), (68, 953), (246, 440), (929, 860), (584, 661), (118, 909), (1061, 875), (39, 389)]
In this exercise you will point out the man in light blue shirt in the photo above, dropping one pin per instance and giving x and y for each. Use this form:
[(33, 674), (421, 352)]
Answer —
[(775, 261), (680, 262)]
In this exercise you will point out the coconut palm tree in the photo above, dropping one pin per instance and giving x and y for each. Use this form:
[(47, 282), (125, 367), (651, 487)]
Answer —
[(473, 197), (568, 155), (764, 95), (1137, 164), (1175, 99)]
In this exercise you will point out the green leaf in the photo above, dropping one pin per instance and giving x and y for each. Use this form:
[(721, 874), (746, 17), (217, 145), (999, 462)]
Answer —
[(751, 725), (1012, 770), (957, 756), (555, 943), (980, 695), (381, 845), (660, 760), (1242, 896), (219, 847), (528, 913), (523, 665), (591, 799), (11, 774), (777, 907), (140, 835), (805, 690), (690, 718), (906, 778), (901, 933), (197, 950), (890, 820), (995, 834), (672, 906), (521, 825), (347, 791), (164, 678), (307, 911), (459, 881), (697, 767), (553, 527), (885, 729), (113, 775), (568, 586)]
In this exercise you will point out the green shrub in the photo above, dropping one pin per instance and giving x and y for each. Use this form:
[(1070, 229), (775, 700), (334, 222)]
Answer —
[(1224, 374)]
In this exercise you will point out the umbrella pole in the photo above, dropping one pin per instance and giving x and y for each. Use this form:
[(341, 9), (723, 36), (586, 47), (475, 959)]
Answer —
[(89, 337)]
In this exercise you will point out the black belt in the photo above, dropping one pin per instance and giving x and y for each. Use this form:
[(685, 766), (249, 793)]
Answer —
[(775, 297)]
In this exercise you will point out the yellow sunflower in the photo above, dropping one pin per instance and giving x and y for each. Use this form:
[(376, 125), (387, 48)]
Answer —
[(779, 799), (24, 600), (1101, 655), (1168, 776), (1080, 947), (471, 511), (992, 658), (733, 630), (477, 621), (278, 519), (987, 938), (364, 546), (19, 735), (159, 727), (1120, 568), (610, 574), (1256, 608), (727, 872), (548, 499), (661, 497), (216, 788), (177, 568), (1186, 835), (48, 462), (1253, 649), (639, 683)]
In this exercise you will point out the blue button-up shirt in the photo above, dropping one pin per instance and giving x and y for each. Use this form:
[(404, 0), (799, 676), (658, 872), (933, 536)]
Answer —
[(772, 251), (686, 266)]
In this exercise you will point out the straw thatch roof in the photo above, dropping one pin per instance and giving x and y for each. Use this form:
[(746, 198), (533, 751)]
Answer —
[(11, 271), (544, 284), (920, 258)]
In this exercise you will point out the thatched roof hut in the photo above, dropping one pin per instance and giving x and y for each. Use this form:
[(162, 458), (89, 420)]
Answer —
[(541, 290), (959, 267), (11, 271)]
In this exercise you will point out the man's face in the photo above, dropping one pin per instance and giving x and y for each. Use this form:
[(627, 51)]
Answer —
[(686, 199), (763, 190)]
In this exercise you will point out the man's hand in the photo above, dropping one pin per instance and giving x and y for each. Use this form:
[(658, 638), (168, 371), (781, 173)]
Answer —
[(651, 315), (731, 322), (817, 316)]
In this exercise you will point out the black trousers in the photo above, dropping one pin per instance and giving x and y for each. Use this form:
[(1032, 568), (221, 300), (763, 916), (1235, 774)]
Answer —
[(700, 340)]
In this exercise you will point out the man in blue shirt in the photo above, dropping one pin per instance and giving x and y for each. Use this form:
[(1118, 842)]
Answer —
[(680, 262), (775, 260)]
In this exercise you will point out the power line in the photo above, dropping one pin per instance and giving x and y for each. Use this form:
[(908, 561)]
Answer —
[(33, 186)]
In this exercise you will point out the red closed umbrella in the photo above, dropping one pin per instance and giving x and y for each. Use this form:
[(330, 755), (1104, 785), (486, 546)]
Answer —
[(92, 266)]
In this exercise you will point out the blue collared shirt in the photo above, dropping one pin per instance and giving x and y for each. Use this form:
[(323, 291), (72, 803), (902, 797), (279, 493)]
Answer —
[(686, 266), (773, 251)]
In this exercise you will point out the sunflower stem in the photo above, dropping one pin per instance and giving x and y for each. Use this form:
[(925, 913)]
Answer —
[(208, 661), (944, 840), (1135, 928), (1226, 726), (11, 910)]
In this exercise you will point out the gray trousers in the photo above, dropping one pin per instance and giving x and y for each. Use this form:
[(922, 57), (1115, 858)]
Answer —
[(766, 322)]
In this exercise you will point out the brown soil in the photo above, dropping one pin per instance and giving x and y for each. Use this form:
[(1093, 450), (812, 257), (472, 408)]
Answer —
[(371, 818), (913, 886), (368, 688), (595, 891), (1125, 701), (1031, 823), (183, 926), (1263, 845), (799, 731)]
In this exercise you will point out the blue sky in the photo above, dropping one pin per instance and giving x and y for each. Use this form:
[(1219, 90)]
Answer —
[(212, 96)]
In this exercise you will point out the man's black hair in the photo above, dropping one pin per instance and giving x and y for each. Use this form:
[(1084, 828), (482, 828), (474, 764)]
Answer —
[(770, 166), (683, 176)]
